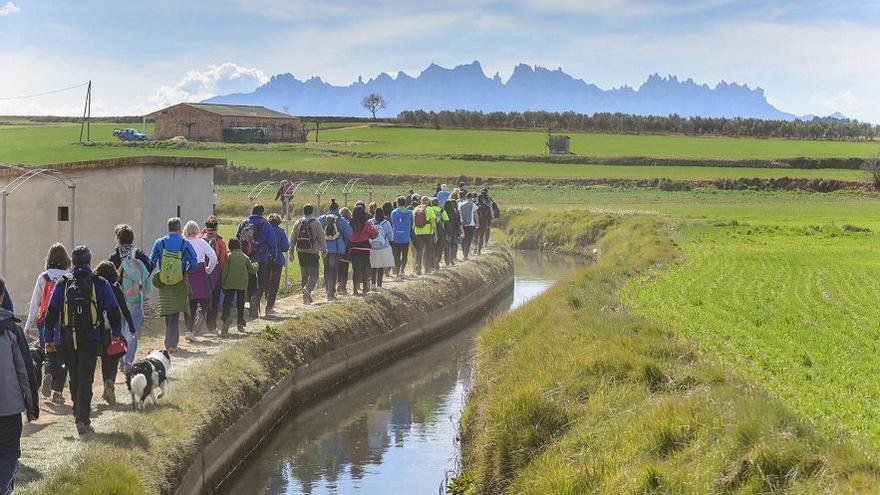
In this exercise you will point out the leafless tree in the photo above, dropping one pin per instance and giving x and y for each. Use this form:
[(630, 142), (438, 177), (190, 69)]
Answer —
[(374, 102)]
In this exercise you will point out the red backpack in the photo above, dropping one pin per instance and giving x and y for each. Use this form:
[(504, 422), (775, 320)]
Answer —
[(421, 217), (48, 288)]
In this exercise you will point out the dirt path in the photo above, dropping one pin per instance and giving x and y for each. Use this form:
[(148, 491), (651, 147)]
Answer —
[(50, 442)]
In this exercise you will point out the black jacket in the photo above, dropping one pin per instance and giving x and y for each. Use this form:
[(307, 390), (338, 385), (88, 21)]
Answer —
[(8, 323)]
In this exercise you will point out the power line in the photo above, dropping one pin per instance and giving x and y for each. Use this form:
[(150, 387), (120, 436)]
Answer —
[(35, 95)]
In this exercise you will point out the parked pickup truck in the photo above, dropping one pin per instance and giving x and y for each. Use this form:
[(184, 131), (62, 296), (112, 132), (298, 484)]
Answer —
[(129, 134)]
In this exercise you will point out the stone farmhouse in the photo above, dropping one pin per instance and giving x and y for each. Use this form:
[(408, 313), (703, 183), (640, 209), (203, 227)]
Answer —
[(218, 123)]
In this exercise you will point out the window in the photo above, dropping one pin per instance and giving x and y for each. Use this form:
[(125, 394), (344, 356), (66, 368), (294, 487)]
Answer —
[(63, 214), (178, 211)]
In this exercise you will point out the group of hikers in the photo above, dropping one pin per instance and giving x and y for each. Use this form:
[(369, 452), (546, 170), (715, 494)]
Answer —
[(81, 313)]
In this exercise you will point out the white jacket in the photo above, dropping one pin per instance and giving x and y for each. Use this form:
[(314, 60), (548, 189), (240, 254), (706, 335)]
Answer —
[(203, 250), (34, 307)]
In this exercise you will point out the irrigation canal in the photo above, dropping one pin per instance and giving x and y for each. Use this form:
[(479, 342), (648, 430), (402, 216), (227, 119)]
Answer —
[(393, 430)]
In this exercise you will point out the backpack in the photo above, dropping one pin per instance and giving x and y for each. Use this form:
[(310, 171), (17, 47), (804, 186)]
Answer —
[(80, 313), (467, 213), (135, 280), (171, 266), (304, 238), (45, 297), (400, 223), (331, 230), (381, 240), (420, 217), (211, 238), (496, 211), (249, 235)]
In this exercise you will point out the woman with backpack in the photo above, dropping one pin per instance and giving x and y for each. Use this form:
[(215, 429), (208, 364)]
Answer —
[(402, 222), (57, 264), (175, 257), (278, 263), (454, 231), (309, 244), (109, 363), (345, 260), (381, 255), (212, 236), (135, 269), (199, 279), (362, 232), (337, 231)]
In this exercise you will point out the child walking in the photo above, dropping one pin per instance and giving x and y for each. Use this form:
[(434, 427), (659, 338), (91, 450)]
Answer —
[(237, 271)]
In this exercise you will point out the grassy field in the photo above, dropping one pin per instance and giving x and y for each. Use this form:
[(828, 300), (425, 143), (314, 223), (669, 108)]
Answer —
[(575, 394), (33, 145), (793, 308)]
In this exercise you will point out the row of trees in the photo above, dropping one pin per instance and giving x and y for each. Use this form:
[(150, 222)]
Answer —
[(818, 128)]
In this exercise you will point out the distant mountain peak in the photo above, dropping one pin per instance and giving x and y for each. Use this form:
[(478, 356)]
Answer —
[(529, 87)]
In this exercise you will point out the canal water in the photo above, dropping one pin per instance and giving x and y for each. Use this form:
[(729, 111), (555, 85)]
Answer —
[(391, 431)]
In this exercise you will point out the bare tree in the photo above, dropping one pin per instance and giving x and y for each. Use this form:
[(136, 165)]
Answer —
[(374, 102)]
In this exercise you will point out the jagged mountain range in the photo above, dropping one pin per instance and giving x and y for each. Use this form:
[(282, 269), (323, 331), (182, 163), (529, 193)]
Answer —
[(528, 88)]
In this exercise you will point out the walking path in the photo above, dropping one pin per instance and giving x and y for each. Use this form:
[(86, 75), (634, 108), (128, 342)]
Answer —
[(51, 441)]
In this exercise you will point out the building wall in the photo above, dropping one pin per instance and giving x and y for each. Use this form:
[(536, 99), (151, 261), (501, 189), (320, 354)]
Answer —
[(143, 196), (173, 121), (292, 131)]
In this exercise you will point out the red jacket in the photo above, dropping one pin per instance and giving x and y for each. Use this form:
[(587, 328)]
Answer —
[(364, 234)]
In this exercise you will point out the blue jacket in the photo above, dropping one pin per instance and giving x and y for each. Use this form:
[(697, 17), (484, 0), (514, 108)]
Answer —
[(442, 196), (267, 245), (175, 243), (386, 228), (106, 301), (283, 245), (337, 246), (402, 222)]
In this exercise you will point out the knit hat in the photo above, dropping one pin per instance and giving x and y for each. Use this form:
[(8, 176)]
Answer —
[(81, 256)]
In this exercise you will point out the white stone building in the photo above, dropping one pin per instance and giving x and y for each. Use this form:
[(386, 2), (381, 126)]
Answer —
[(140, 191)]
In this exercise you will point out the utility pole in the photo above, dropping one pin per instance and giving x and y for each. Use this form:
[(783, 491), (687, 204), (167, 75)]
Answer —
[(87, 115)]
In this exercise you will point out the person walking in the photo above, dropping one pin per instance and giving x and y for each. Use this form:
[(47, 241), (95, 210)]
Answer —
[(174, 257), (278, 263), (258, 243), (402, 223), (78, 306), (443, 194), (468, 211), (212, 236), (110, 364), (135, 269), (309, 243), (337, 232), (424, 221), (362, 232), (236, 274), (381, 255), (57, 264), (345, 259), (199, 279), (487, 210), (439, 231), (454, 231), (18, 394)]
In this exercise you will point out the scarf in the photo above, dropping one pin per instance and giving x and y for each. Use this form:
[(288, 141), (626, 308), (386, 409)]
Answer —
[(125, 251)]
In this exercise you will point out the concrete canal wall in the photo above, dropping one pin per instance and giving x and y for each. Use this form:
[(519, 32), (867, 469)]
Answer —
[(395, 322)]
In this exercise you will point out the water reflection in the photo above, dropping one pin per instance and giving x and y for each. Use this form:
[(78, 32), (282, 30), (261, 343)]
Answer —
[(391, 431)]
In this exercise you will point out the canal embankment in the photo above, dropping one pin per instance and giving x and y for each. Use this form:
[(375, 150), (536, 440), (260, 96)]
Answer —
[(221, 408)]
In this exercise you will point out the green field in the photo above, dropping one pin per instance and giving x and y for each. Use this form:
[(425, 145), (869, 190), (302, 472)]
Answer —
[(34, 145)]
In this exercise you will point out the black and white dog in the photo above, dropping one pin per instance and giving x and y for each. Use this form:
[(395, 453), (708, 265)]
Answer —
[(148, 378)]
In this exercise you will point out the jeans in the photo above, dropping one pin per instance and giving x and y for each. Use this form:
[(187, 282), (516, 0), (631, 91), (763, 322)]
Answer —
[(424, 252), (360, 265), (137, 317), (273, 284), (238, 296), (10, 451), (261, 287), (331, 272), (81, 363), (451, 251), (308, 265), (172, 331), (467, 241), (213, 310), (401, 256)]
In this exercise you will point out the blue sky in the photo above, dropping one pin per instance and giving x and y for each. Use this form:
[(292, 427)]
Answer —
[(810, 56)]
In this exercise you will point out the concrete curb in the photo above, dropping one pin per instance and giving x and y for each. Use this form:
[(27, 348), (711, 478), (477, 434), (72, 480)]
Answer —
[(223, 454)]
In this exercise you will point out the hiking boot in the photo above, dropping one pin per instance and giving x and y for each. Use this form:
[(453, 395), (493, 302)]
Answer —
[(57, 398), (242, 329), (190, 337), (126, 368), (224, 330), (109, 394), (271, 312), (307, 297), (171, 350), (46, 388), (83, 428)]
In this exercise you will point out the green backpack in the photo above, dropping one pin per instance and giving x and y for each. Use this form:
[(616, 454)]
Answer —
[(171, 267)]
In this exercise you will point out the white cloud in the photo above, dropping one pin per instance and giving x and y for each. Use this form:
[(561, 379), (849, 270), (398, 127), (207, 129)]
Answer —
[(216, 80), (843, 100), (625, 8), (8, 8)]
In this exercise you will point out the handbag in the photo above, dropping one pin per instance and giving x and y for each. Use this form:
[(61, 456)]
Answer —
[(118, 347)]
